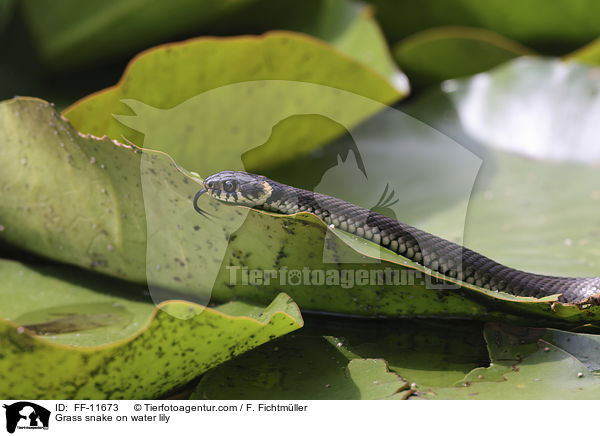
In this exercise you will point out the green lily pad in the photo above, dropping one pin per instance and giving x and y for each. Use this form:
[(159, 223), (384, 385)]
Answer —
[(528, 364), (434, 55), (440, 360), (180, 251), (302, 367), (352, 28), (427, 353), (588, 54), (96, 337), (375, 382), (347, 25), (313, 362), (94, 33), (555, 28), (295, 81), (511, 220), (531, 122), (585, 347), (70, 197)]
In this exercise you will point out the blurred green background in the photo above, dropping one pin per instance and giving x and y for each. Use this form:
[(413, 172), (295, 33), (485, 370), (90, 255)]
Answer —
[(64, 50)]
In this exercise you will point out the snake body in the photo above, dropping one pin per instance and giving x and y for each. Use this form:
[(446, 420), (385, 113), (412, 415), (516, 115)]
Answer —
[(430, 251)]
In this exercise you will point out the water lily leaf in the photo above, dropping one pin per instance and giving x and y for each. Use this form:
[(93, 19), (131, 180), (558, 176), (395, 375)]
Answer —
[(147, 231), (77, 33), (588, 54), (375, 382), (347, 25), (312, 361), (294, 256), (528, 364), (302, 367), (426, 353), (564, 25), (114, 334), (301, 81), (72, 307), (522, 211), (503, 217), (439, 360), (585, 347), (110, 222), (434, 55), (352, 28), (73, 198)]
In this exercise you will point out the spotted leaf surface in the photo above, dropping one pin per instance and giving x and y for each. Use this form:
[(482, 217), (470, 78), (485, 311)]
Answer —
[(71, 197), (69, 334), (135, 220), (530, 364), (300, 367)]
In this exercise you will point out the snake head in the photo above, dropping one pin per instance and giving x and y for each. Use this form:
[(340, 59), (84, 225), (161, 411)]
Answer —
[(238, 187)]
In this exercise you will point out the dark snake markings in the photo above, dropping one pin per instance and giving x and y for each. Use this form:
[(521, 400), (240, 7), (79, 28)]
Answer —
[(435, 253)]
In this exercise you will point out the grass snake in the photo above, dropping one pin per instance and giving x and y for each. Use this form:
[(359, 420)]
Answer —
[(435, 253)]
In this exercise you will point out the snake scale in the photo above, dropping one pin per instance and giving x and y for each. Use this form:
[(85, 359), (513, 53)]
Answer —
[(433, 252)]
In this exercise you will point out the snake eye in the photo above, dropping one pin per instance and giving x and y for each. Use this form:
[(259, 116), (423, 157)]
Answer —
[(229, 186), (210, 184)]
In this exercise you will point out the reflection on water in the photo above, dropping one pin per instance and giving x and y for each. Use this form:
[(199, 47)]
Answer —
[(75, 318)]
